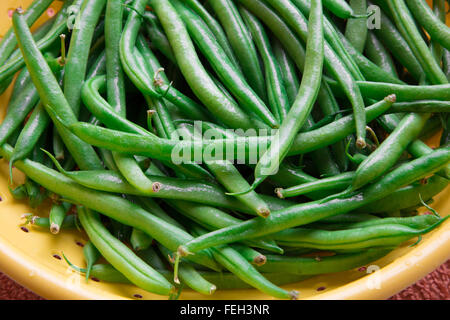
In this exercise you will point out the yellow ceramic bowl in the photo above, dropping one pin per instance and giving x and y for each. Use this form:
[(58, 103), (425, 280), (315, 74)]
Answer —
[(29, 258)]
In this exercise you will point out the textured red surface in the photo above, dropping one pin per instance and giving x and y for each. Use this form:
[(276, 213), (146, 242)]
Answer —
[(435, 286)]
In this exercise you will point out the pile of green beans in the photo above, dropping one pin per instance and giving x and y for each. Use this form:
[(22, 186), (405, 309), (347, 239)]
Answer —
[(222, 144)]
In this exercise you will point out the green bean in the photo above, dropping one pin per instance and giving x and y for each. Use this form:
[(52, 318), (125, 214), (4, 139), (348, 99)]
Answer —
[(162, 149), (103, 111), (356, 29), (242, 44), (341, 9), (405, 23), (446, 63), (416, 148), (302, 214), (239, 266), (277, 96), (157, 37), (153, 258), (231, 77), (20, 105), (437, 29), (408, 196), (9, 41), (404, 93), (140, 240), (91, 256), (388, 153), (51, 94), (191, 277), (77, 57), (131, 171), (331, 62), (185, 104), (385, 235), (114, 73), (303, 104), (376, 52), (369, 70), (227, 174), (252, 256), (338, 182), (215, 28), (170, 188), (200, 82), (212, 218), (223, 281), (57, 216), (397, 45), (44, 223), (33, 130), (121, 257), (416, 222), (332, 37), (16, 61), (421, 106), (110, 205), (312, 266)]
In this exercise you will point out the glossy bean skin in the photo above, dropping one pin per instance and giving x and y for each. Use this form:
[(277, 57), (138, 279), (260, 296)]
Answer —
[(169, 188), (36, 124), (9, 41), (353, 239), (404, 93), (212, 218), (415, 222), (397, 45), (20, 104), (122, 258), (408, 196), (56, 217), (313, 211), (215, 28), (405, 22), (334, 183), (69, 223), (191, 277), (171, 95), (128, 52), (376, 52), (230, 76), (200, 82), (340, 8), (235, 263), (16, 62), (114, 73), (303, 104), (91, 256), (77, 56), (110, 205), (388, 153), (242, 44), (416, 148), (332, 63), (437, 29), (356, 29), (311, 266), (421, 106), (277, 96), (162, 149), (52, 95)]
